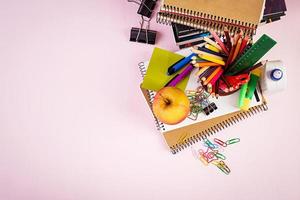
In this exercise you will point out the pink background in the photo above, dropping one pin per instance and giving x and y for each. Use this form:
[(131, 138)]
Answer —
[(74, 125)]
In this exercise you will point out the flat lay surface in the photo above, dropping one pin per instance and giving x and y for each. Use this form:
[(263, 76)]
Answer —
[(74, 124)]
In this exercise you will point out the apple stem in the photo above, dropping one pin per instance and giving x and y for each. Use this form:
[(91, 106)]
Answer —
[(167, 101)]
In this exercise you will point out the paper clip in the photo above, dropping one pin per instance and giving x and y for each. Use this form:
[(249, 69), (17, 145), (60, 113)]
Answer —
[(203, 159), (143, 35), (209, 144), (220, 156), (233, 141), (220, 142), (222, 166)]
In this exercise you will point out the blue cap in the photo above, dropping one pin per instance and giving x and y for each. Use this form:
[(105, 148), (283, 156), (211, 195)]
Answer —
[(276, 74)]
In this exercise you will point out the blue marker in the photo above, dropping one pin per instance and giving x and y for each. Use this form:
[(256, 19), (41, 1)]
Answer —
[(180, 64)]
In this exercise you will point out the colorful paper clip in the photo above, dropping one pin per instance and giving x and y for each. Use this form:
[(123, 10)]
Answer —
[(220, 156), (220, 142), (233, 141), (222, 166), (209, 144)]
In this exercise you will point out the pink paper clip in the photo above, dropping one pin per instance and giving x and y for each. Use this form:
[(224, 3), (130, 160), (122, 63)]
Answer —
[(220, 142)]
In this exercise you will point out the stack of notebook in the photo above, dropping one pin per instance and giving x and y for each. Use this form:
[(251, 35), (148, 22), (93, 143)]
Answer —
[(189, 24), (190, 131), (274, 10)]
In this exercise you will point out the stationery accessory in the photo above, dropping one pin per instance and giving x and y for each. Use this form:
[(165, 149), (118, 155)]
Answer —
[(156, 77), (256, 52), (226, 115), (251, 86), (274, 78), (180, 64), (181, 76), (213, 15), (274, 10), (143, 35)]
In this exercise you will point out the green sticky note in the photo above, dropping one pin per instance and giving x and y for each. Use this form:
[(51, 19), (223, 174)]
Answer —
[(156, 76)]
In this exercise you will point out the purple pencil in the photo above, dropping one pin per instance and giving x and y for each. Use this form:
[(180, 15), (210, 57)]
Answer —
[(182, 75)]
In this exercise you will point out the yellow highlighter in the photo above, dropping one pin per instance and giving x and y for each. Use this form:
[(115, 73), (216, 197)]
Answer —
[(254, 78), (211, 59)]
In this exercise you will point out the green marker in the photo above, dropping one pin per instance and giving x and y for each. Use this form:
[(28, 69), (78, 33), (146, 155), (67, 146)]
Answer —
[(243, 94), (254, 77)]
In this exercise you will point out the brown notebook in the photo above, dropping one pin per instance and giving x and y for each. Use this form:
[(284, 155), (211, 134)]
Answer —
[(183, 136), (213, 15)]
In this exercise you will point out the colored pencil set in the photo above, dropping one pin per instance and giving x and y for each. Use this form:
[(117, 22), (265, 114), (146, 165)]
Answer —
[(224, 63), (216, 57)]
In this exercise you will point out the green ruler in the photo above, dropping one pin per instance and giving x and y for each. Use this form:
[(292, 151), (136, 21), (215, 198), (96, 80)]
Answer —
[(256, 52)]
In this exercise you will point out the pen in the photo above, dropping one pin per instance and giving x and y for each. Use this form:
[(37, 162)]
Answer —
[(179, 65), (181, 76)]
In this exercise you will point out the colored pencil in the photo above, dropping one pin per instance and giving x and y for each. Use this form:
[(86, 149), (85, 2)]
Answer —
[(208, 72), (244, 44), (219, 42), (201, 70), (217, 88), (211, 59), (211, 42), (206, 64), (216, 77), (207, 53), (228, 39), (237, 50), (212, 48), (212, 75)]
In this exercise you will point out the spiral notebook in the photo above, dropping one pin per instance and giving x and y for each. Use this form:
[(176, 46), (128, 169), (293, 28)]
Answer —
[(213, 15), (188, 132)]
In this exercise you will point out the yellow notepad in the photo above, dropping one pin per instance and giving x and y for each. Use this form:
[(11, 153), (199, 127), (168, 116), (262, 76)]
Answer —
[(156, 75)]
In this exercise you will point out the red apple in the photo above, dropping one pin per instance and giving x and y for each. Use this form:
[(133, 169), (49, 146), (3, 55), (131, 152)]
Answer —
[(171, 105)]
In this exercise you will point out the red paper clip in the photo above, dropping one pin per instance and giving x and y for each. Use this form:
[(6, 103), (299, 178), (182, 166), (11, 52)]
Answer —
[(220, 142)]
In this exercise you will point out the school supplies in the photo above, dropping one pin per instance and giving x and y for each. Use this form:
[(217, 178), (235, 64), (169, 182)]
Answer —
[(199, 103), (257, 51), (254, 77), (274, 10), (146, 7), (212, 153), (213, 15), (211, 59), (190, 38), (180, 64), (186, 36), (226, 115), (274, 77), (181, 76), (156, 76), (143, 35)]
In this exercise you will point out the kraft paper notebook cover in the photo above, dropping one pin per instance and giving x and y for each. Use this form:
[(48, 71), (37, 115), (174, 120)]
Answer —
[(188, 132), (214, 14)]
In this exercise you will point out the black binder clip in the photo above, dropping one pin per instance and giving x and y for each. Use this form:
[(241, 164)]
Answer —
[(210, 108), (143, 35), (146, 7)]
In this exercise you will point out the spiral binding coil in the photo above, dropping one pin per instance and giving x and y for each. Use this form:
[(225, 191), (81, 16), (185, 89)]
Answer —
[(218, 127), (202, 21), (159, 125)]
